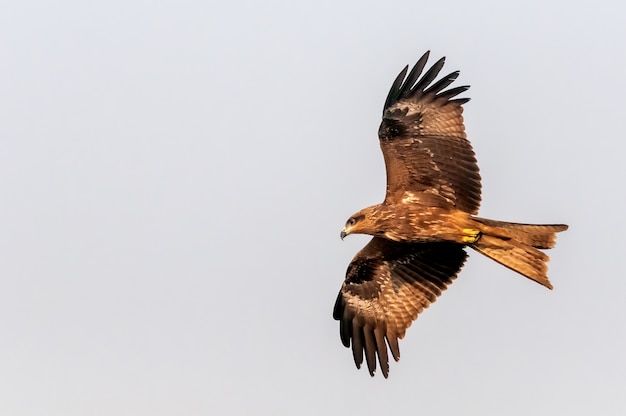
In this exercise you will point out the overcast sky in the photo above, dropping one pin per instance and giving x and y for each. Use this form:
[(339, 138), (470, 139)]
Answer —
[(174, 177)]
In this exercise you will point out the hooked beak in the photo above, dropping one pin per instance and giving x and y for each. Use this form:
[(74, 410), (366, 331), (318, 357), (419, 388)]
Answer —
[(343, 234)]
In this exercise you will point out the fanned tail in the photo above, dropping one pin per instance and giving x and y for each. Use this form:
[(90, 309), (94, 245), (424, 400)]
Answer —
[(516, 246)]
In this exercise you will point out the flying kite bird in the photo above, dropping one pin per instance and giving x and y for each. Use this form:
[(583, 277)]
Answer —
[(427, 219)]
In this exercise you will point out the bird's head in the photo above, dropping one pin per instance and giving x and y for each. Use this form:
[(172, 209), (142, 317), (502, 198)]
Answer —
[(363, 222)]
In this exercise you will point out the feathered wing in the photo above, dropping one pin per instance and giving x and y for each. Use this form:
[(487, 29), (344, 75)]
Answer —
[(423, 140), (387, 285)]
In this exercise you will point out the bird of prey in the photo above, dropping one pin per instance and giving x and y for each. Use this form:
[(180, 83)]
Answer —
[(428, 217)]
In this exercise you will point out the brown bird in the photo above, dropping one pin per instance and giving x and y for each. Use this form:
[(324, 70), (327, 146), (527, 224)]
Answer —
[(426, 220)]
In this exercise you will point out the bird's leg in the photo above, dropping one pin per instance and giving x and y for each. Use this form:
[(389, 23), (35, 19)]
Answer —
[(470, 235)]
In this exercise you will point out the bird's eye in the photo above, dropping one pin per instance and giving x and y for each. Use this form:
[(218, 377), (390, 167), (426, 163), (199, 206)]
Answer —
[(394, 131), (352, 221)]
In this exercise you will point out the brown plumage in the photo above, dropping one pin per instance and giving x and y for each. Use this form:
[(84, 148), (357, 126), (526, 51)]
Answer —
[(426, 220)]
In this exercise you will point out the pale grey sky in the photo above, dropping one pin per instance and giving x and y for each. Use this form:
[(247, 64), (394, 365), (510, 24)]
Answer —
[(175, 176)]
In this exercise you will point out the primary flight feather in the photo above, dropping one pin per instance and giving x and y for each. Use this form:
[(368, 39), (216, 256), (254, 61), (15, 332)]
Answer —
[(427, 219)]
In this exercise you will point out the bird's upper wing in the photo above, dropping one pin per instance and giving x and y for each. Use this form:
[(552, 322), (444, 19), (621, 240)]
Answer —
[(387, 285), (423, 140)]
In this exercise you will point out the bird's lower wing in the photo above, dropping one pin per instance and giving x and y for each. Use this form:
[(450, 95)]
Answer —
[(387, 285)]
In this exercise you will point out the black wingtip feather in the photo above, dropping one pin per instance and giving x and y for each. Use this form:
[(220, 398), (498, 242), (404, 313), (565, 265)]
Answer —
[(344, 333), (392, 97), (370, 349), (428, 77), (413, 76), (403, 86), (357, 344), (338, 308), (394, 347), (442, 83), (453, 92), (381, 347)]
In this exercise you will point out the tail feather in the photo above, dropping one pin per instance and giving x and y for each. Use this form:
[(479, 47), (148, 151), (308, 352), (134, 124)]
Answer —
[(538, 236), (516, 246), (525, 260)]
